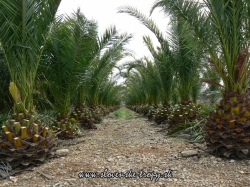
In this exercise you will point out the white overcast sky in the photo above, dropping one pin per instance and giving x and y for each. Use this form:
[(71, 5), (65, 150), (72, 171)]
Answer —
[(105, 13)]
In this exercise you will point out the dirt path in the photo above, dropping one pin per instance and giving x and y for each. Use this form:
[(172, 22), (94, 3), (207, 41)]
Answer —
[(128, 147)]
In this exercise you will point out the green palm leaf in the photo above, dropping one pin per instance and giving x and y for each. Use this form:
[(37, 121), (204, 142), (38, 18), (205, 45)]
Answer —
[(68, 52), (24, 29)]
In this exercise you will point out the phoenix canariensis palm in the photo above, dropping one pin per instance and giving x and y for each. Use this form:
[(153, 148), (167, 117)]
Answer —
[(110, 94), (71, 41), (186, 64), (162, 71), (162, 55), (222, 27), (135, 94), (186, 58), (105, 53), (111, 49), (24, 27), (144, 73), (174, 58), (144, 86)]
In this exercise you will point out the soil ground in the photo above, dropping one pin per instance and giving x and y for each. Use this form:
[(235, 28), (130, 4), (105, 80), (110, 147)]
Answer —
[(138, 151)]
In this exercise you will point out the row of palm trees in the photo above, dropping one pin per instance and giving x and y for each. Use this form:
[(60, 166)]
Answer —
[(173, 69), (210, 34), (54, 62)]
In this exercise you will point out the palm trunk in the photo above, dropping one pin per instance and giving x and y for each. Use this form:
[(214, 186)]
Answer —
[(228, 127)]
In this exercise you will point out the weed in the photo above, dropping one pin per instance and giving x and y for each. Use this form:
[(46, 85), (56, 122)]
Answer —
[(124, 113)]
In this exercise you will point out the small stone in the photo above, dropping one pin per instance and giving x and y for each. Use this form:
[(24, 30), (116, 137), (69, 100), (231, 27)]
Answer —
[(231, 161), (184, 169), (189, 153), (219, 159), (212, 157), (195, 158), (153, 147), (214, 162), (110, 159), (62, 152)]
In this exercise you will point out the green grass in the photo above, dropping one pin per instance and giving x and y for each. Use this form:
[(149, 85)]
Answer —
[(123, 113)]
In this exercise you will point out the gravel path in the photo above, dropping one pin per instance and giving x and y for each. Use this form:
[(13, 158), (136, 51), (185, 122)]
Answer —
[(131, 153)]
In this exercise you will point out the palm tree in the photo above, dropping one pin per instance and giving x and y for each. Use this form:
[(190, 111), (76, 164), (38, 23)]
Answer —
[(110, 49), (186, 59), (162, 55), (142, 79), (161, 71), (222, 28), (66, 54), (175, 59), (24, 31), (109, 92), (24, 27)]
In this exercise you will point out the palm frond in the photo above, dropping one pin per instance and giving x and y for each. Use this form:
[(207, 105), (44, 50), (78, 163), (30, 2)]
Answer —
[(24, 29), (68, 52)]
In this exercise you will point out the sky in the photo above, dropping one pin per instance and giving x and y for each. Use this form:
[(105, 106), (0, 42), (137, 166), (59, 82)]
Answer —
[(105, 13)]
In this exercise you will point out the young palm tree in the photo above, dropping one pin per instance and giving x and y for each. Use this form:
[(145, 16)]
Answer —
[(161, 71), (175, 58), (162, 55), (143, 80), (110, 94), (110, 49), (24, 30), (24, 27), (186, 59), (71, 41), (222, 27)]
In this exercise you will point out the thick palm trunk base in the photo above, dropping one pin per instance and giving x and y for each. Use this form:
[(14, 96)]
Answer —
[(152, 112), (161, 114), (25, 141), (67, 128), (182, 113), (83, 115), (227, 131)]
